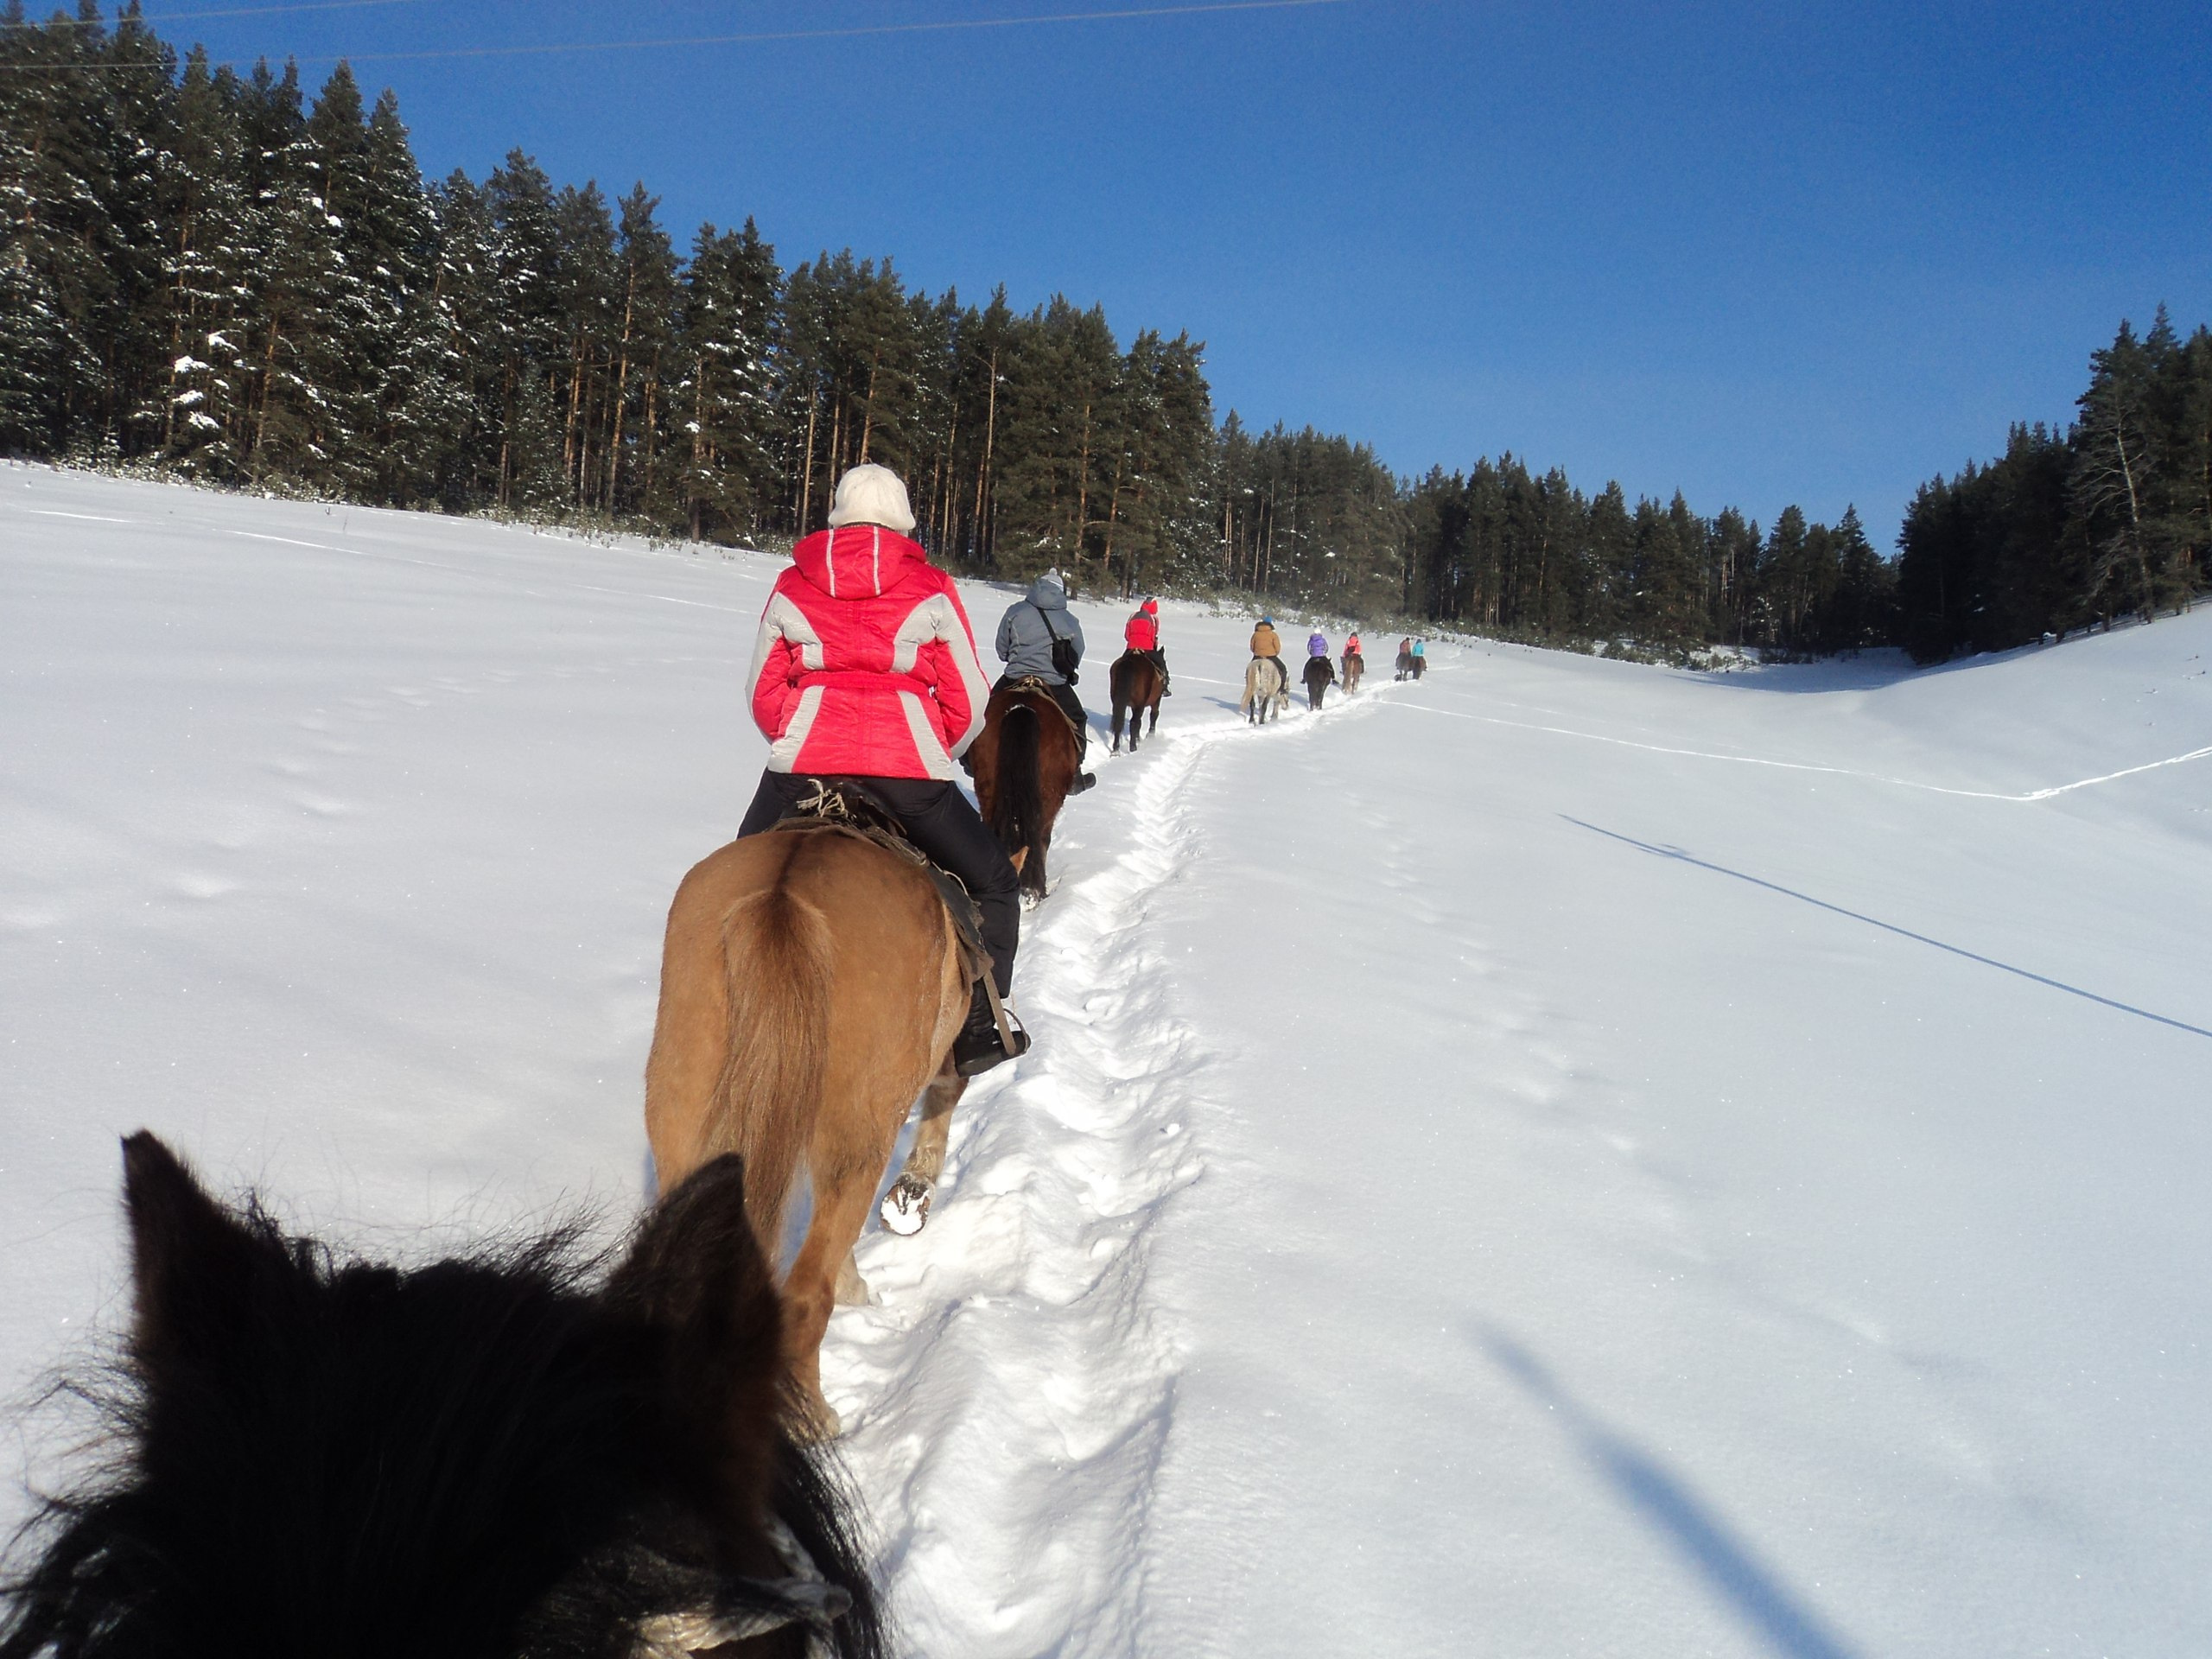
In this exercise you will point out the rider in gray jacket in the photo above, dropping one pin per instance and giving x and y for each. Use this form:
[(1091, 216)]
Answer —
[(1026, 635)]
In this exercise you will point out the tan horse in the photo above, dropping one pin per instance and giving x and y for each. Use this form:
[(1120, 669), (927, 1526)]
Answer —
[(1024, 762), (811, 984)]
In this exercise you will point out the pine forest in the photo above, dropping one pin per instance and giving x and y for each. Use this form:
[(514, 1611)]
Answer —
[(219, 277)]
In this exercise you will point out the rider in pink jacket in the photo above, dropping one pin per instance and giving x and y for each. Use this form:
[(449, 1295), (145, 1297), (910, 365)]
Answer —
[(864, 670)]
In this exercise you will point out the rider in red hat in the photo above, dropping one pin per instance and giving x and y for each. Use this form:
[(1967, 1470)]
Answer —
[(1142, 634), (865, 671)]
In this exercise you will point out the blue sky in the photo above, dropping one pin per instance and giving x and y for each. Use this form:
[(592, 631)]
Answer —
[(1766, 253)]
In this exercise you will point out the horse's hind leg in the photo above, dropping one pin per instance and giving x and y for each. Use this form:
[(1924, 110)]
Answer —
[(906, 1207), (845, 1168)]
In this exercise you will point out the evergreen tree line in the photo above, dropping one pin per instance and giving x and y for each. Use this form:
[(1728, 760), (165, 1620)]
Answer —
[(1500, 551), (2068, 530), (210, 273), (207, 272)]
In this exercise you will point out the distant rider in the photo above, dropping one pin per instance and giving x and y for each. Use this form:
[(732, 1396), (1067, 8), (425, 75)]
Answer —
[(1142, 634), (865, 670), (1027, 632), (1317, 644), (1420, 657), (1267, 643)]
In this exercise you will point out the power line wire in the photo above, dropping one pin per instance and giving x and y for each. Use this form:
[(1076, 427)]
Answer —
[(232, 11), (942, 26), (763, 37)]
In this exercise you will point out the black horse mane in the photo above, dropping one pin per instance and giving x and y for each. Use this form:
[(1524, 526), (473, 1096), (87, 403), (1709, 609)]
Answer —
[(523, 1451)]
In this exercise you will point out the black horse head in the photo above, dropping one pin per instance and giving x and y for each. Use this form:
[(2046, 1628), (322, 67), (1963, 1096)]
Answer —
[(505, 1454)]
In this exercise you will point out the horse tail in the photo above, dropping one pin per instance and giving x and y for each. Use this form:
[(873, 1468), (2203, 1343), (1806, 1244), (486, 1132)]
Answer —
[(776, 959), (1018, 809)]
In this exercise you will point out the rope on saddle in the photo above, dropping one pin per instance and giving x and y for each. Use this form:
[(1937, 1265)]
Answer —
[(847, 809)]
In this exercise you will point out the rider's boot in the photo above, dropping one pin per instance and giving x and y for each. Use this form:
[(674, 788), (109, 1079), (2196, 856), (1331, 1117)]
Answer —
[(979, 1045), (1082, 780)]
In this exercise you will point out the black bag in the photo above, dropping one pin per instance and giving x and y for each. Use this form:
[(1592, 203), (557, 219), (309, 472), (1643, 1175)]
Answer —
[(1064, 651)]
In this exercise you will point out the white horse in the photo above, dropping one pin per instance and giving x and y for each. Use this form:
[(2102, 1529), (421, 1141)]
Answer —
[(1266, 690)]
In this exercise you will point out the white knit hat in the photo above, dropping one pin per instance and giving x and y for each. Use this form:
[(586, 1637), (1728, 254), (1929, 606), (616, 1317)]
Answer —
[(870, 494)]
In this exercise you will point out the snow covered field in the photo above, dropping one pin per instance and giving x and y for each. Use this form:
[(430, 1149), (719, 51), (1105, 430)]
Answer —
[(1566, 1158)]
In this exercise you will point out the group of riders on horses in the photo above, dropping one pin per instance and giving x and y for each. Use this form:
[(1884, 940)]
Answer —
[(865, 676), (1320, 673)]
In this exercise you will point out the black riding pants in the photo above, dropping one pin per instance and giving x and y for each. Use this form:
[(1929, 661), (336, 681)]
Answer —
[(939, 820), (1071, 703)]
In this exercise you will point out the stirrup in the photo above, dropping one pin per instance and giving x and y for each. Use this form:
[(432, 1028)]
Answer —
[(982, 1045)]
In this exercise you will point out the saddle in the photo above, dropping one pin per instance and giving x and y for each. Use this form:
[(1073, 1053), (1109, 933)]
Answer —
[(1031, 682), (844, 807)]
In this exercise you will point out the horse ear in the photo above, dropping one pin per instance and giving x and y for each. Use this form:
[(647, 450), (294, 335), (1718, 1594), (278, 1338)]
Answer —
[(193, 1262), (696, 1271)]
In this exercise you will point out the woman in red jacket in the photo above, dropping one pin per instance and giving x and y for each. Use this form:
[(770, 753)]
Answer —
[(865, 671)]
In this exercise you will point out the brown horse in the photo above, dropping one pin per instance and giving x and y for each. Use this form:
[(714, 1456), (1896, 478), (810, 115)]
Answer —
[(1355, 669), (1024, 762), (811, 984), (1136, 684)]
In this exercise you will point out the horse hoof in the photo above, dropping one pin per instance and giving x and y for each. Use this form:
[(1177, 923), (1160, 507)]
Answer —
[(852, 1290), (906, 1207)]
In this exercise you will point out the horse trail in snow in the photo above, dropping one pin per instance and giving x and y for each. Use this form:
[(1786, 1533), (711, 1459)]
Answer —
[(1008, 1396)]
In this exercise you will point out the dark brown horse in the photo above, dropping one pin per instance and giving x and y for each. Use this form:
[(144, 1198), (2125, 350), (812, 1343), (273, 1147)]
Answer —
[(1320, 675), (1024, 763), (1135, 684), (515, 1453)]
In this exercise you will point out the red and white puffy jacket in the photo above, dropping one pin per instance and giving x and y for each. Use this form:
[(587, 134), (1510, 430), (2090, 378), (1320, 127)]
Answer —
[(865, 665)]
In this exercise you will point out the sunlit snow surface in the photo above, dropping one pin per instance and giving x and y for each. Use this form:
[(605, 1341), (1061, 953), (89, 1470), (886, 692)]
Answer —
[(1566, 1158)]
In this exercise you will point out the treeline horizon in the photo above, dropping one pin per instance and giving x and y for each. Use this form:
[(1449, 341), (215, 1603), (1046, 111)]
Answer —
[(208, 274)]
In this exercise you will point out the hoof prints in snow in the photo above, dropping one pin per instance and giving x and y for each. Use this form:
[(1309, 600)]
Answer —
[(1007, 1397), (1007, 1400)]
